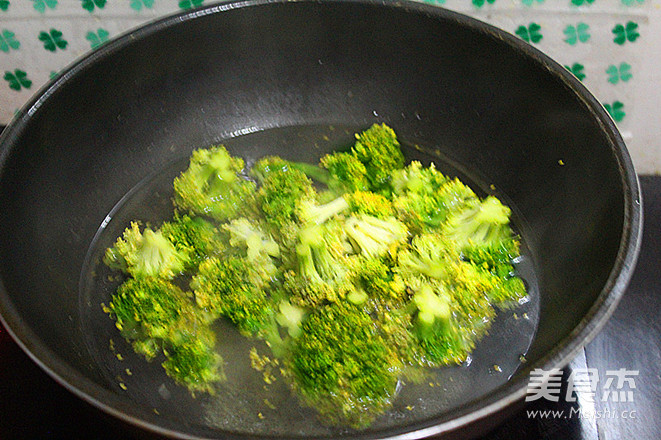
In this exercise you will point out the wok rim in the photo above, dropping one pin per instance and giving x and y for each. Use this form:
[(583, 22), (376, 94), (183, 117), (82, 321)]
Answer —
[(463, 416)]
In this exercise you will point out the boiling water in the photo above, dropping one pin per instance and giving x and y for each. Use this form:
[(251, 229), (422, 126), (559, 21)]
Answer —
[(244, 402)]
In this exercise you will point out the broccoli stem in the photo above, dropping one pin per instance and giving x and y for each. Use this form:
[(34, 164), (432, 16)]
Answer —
[(314, 172), (318, 214)]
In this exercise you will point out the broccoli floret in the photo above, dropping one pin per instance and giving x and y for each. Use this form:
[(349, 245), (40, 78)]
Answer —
[(212, 185), (318, 256), (147, 309), (369, 164), (374, 237), (233, 288), (369, 203), (443, 331), (310, 213), (379, 150), (423, 196), (343, 367), (496, 259), (456, 195), (262, 168), (482, 223), (417, 196), (290, 317), (433, 308), (146, 254), (347, 173), (281, 191), (192, 361), (428, 255), (269, 164), (257, 247), (194, 236), (377, 280), (158, 317)]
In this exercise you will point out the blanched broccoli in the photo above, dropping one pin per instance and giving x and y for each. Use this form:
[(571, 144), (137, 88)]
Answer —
[(159, 318), (212, 185), (195, 237), (423, 196), (233, 288), (317, 262), (386, 269), (343, 367), (148, 308), (192, 361), (369, 164), (369, 203), (281, 191), (146, 254), (429, 255), (374, 237), (310, 213), (347, 173), (482, 223), (378, 281), (258, 247), (379, 150)]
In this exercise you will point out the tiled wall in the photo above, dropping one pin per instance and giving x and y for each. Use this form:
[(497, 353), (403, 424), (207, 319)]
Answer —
[(613, 46)]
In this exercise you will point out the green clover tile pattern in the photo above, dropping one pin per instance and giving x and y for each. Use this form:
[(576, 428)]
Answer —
[(598, 41), (531, 2), (97, 38), (41, 5), (616, 110), (91, 5), (531, 33), (138, 5), (577, 34), (582, 2), (480, 3), (17, 80), (190, 4), (53, 40), (8, 41), (627, 32), (619, 73), (578, 70)]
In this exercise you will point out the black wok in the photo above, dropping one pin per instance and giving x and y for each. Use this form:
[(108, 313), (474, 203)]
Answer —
[(100, 144)]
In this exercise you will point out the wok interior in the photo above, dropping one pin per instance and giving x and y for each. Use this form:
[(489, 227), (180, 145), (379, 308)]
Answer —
[(145, 103)]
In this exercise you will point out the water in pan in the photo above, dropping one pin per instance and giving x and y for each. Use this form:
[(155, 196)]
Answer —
[(244, 402)]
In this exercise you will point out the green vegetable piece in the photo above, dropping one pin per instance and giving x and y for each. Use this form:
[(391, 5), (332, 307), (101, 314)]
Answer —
[(212, 185), (369, 203), (347, 173), (343, 367), (282, 190), (145, 254), (233, 288), (487, 222), (379, 150), (375, 237), (195, 237)]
